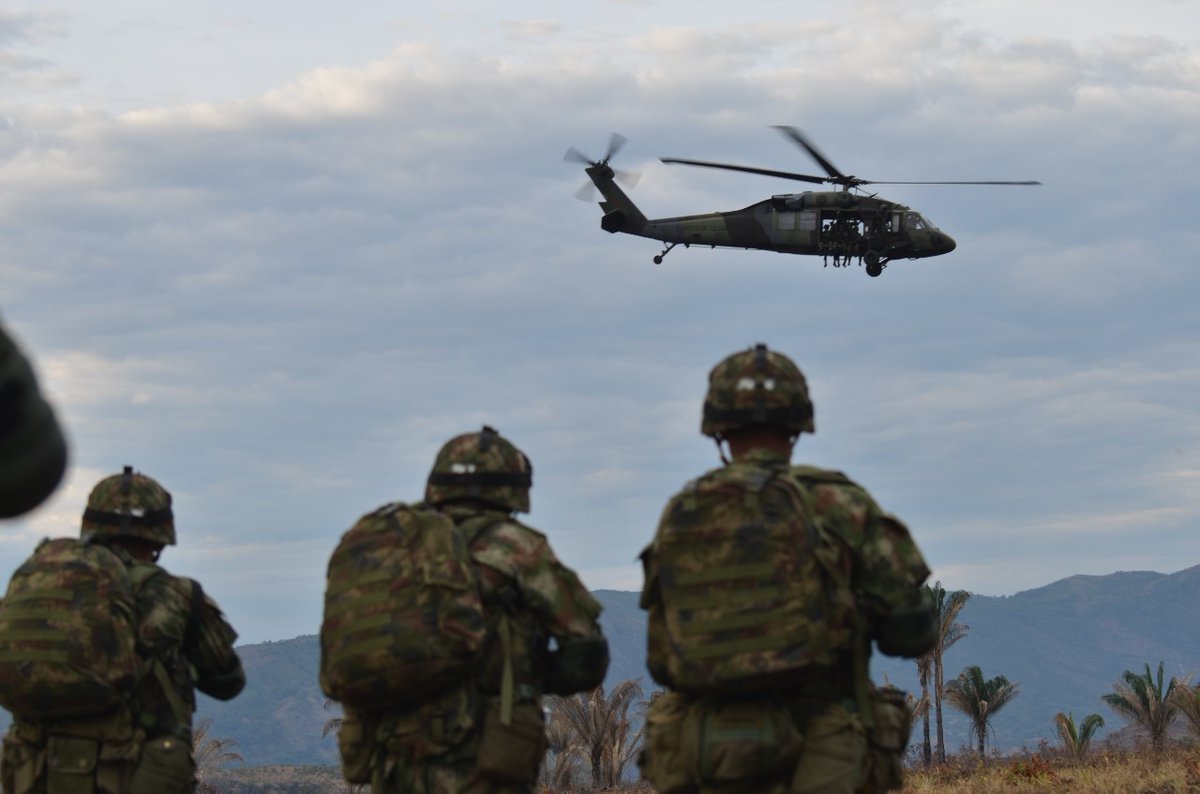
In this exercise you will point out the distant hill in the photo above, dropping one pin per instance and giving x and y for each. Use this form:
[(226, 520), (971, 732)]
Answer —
[(1065, 644)]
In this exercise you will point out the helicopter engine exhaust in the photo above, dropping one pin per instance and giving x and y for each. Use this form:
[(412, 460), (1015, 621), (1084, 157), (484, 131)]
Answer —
[(614, 221)]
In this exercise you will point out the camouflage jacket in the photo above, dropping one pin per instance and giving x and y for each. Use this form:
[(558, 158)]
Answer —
[(184, 630), (522, 578), (886, 570)]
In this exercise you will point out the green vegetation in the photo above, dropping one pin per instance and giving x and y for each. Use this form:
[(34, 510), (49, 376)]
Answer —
[(979, 699), (1143, 701), (1076, 738)]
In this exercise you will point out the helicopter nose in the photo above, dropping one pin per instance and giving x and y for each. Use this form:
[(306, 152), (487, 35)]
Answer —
[(943, 243)]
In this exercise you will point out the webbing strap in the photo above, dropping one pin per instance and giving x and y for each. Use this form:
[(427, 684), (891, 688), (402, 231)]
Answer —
[(507, 684), (10, 656), (48, 594), (757, 570), (768, 642), (737, 621), (178, 709), (707, 598)]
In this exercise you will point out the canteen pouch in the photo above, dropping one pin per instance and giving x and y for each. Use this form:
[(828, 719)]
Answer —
[(356, 745), (664, 760), (512, 753), (164, 767), (743, 741), (71, 765), (887, 738)]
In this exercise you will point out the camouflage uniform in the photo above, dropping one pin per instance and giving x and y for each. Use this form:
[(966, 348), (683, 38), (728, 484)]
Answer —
[(827, 698), (33, 453), (184, 644), (528, 597)]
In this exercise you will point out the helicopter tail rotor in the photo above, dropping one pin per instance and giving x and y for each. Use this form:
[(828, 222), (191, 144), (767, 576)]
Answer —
[(616, 142)]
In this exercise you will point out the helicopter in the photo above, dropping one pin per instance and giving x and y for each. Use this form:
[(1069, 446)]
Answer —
[(844, 227)]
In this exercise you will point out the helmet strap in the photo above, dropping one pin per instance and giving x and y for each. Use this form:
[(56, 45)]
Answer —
[(718, 438)]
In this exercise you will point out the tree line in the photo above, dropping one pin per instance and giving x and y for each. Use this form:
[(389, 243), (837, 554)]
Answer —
[(1144, 699)]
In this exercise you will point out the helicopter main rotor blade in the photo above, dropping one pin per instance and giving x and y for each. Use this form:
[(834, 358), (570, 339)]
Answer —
[(876, 182), (799, 139), (748, 169)]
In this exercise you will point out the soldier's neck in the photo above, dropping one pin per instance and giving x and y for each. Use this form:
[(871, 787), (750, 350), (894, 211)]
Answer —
[(758, 443)]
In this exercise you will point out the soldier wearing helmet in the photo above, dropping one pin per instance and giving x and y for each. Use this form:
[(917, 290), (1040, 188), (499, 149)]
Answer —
[(33, 453), (182, 642), (766, 584), (481, 481)]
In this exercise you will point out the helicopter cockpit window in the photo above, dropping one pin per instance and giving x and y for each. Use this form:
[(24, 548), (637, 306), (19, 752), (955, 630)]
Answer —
[(915, 222)]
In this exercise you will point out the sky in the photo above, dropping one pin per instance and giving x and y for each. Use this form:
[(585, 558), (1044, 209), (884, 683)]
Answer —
[(275, 254)]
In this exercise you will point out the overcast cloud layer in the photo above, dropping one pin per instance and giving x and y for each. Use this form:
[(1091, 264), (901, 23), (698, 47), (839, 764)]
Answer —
[(275, 264)]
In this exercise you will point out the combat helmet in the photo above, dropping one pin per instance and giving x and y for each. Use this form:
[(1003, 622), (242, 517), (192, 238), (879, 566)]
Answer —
[(756, 387), (483, 466), (129, 505)]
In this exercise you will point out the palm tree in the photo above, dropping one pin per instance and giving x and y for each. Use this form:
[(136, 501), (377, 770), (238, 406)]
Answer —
[(210, 754), (1186, 698), (333, 723), (946, 607), (1076, 738), (979, 699), (1141, 699), (924, 672), (563, 750), (602, 729)]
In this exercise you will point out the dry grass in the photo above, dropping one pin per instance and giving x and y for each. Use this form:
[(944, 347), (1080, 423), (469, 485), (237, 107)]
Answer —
[(1101, 773), (1177, 771)]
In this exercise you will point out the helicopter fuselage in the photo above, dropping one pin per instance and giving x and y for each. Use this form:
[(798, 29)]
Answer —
[(838, 225), (827, 223)]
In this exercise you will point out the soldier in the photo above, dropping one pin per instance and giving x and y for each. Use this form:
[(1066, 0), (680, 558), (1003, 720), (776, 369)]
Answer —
[(481, 480), (150, 638), (33, 454), (765, 585)]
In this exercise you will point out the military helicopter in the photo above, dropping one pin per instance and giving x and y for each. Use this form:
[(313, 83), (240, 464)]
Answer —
[(844, 227)]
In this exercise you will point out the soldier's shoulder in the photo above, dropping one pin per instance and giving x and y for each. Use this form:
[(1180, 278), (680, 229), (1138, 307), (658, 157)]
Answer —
[(709, 479), (152, 581), (511, 532), (815, 474)]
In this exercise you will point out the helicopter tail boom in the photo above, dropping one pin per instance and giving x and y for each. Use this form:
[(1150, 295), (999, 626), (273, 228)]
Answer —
[(620, 213)]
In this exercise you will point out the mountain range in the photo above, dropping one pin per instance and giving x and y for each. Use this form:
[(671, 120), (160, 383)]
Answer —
[(1064, 644)]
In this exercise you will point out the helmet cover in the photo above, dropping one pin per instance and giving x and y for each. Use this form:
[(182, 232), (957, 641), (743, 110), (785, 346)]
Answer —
[(129, 505), (756, 387), (483, 466)]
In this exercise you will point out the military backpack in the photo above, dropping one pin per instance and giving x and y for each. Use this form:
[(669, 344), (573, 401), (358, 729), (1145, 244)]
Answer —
[(744, 585), (67, 632), (403, 615)]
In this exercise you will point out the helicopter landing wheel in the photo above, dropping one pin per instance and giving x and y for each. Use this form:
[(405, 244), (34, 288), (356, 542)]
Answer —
[(659, 258), (874, 269)]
